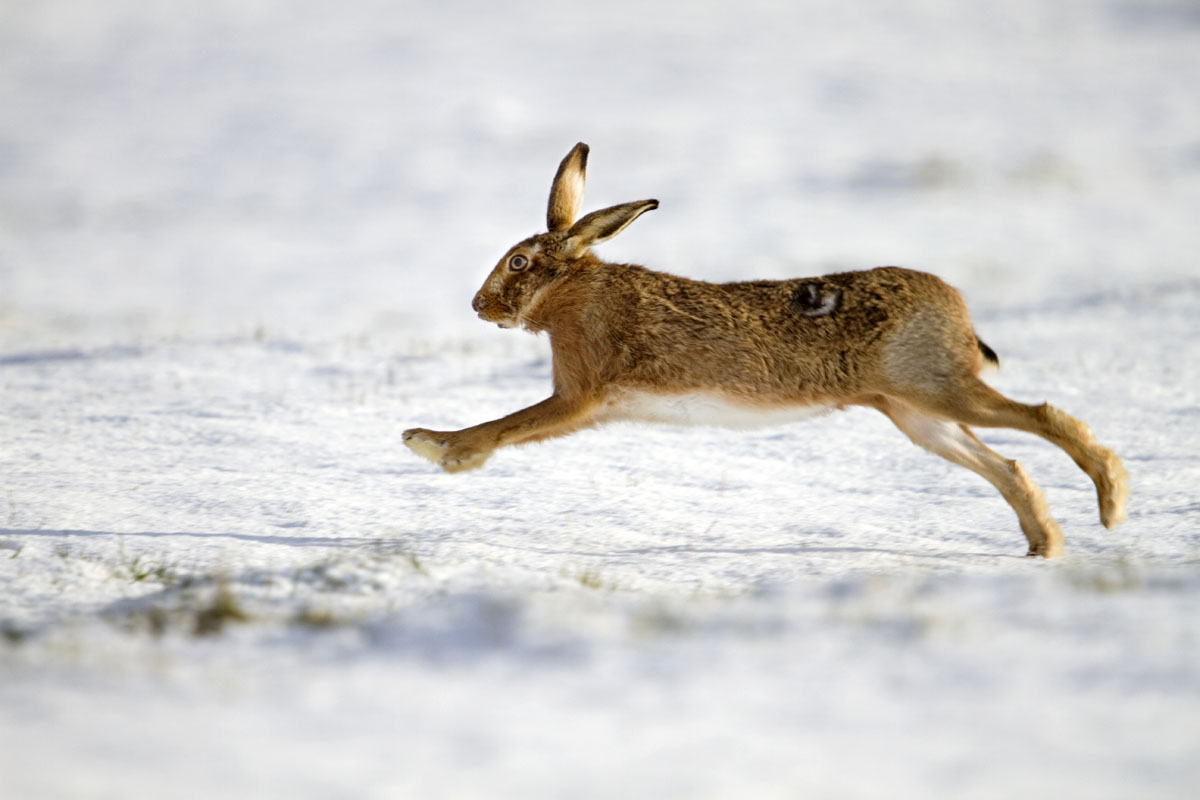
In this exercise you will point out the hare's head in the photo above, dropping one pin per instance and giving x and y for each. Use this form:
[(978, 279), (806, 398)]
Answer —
[(529, 269)]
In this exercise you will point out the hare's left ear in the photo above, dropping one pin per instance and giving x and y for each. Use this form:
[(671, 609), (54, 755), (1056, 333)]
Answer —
[(566, 192), (600, 226)]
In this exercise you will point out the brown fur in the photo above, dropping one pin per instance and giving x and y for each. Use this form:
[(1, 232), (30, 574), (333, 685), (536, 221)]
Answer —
[(889, 338)]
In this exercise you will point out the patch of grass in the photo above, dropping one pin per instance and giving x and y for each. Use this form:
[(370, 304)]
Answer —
[(323, 619), (1118, 575), (659, 620), (12, 633), (198, 605), (594, 579), (317, 619), (157, 620), (386, 550), (139, 570), (223, 609), (67, 553), (413, 561), (321, 577)]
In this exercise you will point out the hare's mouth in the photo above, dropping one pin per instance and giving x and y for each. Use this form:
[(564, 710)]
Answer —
[(502, 322)]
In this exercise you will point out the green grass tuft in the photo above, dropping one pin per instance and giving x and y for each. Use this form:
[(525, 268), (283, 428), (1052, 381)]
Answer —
[(223, 609)]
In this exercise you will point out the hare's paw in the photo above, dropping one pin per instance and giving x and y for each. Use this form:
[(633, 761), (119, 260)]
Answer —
[(1044, 536), (443, 450), (1113, 489), (426, 444), (460, 459)]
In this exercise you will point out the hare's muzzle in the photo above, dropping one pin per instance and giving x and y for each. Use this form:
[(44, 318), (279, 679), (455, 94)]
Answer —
[(482, 303)]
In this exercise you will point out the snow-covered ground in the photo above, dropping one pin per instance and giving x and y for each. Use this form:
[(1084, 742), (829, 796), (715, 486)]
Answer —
[(238, 241)]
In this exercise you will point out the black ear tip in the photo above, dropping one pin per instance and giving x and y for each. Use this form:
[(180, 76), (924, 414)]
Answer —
[(583, 153), (653, 204)]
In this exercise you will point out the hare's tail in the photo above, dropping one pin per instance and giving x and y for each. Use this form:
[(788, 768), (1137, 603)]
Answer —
[(989, 355)]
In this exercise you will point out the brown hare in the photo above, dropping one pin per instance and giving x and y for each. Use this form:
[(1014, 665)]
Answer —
[(632, 344)]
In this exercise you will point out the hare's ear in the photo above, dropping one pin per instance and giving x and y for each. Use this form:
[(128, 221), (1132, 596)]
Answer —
[(566, 192), (600, 226)]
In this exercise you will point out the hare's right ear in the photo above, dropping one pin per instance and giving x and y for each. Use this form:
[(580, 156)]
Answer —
[(600, 226), (566, 192)]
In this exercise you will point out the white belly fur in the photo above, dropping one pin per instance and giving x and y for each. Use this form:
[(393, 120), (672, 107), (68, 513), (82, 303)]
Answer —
[(701, 408)]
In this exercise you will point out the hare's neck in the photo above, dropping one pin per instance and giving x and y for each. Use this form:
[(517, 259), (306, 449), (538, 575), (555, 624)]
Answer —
[(574, 301), (537, 316)]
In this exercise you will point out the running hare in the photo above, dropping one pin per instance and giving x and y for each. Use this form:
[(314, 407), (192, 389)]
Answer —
[(632, 344)]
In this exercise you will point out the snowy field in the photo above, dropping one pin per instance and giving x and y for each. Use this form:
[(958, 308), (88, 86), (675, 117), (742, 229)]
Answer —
[(238, 242)]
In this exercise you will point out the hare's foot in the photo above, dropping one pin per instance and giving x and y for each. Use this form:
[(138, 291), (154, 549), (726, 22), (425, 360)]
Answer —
[(444, 449), (426, 444), (1113, 489), (1041, 531)]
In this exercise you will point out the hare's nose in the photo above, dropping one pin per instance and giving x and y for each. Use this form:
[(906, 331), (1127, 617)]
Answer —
[(477, 303)]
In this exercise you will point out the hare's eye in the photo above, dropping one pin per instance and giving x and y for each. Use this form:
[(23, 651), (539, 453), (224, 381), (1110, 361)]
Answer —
[(518, 263)]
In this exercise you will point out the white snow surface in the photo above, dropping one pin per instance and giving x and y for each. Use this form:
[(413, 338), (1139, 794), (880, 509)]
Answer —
[(238, 242)]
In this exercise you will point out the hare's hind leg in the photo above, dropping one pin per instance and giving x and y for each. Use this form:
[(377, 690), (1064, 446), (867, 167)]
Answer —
[(954, 442), (469, 448), (976, 403)]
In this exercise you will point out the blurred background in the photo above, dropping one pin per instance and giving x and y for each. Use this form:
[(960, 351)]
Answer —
[(314, 169), (336, 179)]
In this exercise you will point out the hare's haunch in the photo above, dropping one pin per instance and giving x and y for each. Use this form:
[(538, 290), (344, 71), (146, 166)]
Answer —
[(633, 344)]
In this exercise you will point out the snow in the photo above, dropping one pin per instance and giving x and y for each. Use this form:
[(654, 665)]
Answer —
[(238, 243)]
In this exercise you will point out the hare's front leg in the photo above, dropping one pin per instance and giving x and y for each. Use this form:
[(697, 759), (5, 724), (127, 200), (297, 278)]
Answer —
[(458, 451)]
